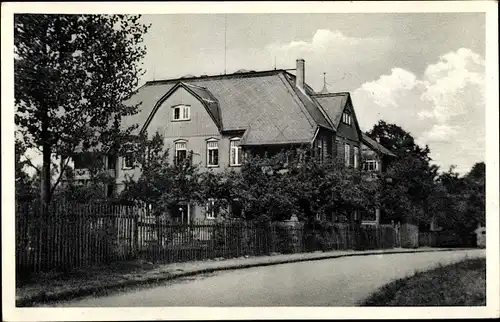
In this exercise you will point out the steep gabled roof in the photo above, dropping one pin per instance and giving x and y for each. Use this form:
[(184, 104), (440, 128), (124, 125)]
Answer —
[(263, 103), (375, 145), (333, 104), (306, 98)]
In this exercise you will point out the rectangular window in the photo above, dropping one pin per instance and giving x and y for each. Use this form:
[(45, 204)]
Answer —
[(181, 112), (180, 152), (128, 161), (347, 154), (212, 153), (370, 165), (338, 149), (346, 118), (356, 151), (111, 161), (210, 209), (235, 153)]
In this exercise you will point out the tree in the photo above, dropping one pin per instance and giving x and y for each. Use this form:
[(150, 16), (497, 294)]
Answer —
[(477, 172), (461, 199), (397, 140), (409, 181), (24, 183), (92, 189), (72, 75), (160, 184)]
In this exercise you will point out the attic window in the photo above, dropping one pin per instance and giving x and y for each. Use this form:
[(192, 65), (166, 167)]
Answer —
[(181, 113), (346, 118)]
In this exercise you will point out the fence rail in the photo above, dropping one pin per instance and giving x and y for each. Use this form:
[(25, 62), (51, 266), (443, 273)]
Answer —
[(68, 236)]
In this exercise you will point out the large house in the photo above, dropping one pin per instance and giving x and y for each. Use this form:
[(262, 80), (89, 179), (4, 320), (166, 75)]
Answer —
[(220, 118)]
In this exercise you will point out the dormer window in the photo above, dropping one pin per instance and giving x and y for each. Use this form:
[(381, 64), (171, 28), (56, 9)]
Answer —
[(181, 113), (346, 118)]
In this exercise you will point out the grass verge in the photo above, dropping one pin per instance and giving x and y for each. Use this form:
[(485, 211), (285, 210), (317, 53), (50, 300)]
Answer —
[(458, 284)]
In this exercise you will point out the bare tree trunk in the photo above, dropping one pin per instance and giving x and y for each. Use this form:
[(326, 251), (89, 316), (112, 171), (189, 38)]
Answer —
[(45, 194), (45, 177)]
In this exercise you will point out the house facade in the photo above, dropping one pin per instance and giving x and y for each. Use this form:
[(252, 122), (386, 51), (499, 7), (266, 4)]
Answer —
[(375, 159), (220, 119)]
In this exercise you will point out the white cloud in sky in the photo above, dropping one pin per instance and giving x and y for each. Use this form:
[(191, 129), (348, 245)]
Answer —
[(444, 108), (333, 52)]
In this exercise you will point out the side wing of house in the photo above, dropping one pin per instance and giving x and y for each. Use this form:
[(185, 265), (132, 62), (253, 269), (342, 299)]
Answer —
[(375, 156), (340, 111)]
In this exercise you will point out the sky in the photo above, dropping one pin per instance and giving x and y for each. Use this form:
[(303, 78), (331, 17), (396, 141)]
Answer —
[(422, 71)]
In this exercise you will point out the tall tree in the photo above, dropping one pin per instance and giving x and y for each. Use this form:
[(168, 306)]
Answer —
[(409, 181), (397, 140), (24, 183), (72, 74)]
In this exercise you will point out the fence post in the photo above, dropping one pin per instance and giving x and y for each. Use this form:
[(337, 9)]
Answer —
[(135, 223)]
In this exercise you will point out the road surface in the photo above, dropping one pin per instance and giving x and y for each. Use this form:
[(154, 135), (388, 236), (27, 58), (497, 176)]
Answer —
[(332, 282)]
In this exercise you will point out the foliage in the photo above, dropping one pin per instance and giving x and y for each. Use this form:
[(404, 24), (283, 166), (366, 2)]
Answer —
[(25, 184), (93, 189), (283, 185), (414, 191), (398, 141), (161, 184), (457, 284), (72, 76), (462, 199), (409, 182)]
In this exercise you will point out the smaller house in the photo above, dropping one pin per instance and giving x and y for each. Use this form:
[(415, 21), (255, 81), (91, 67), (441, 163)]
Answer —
[(375, 158)]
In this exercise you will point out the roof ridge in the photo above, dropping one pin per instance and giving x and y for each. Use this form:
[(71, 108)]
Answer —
[(233, 75), (290, 88), (193, 85), (331, 94), (322, 110)]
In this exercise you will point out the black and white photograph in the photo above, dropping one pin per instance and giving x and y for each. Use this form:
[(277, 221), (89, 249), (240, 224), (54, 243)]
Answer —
[(236, 160)]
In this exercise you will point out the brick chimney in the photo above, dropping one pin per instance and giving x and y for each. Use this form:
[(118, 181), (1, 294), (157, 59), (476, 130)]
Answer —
[(300, 78)]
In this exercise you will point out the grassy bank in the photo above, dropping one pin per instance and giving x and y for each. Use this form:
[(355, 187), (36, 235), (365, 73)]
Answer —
[(459, 284)]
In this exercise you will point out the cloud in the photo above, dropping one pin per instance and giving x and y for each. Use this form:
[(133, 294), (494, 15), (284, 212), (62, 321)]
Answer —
[(324, 40), (443, 108), (331, 51)]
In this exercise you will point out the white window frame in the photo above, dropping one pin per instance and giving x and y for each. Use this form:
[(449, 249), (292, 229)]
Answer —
[(356, 161), (210, 214), (236, 149), (347, 154), (184, 112), (126, 157), (180, 146), (375, 166), (212, 144), (346, 118)]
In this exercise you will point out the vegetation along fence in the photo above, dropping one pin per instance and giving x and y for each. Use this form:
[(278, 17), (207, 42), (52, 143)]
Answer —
[(77, 235)]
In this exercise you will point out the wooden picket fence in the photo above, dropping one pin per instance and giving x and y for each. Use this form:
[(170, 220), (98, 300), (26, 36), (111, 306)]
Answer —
[(69, 236)]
